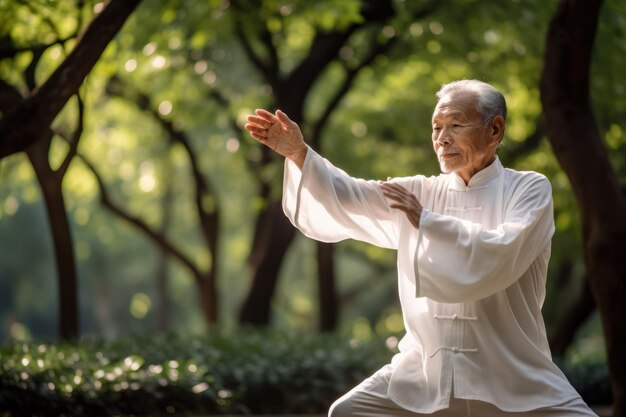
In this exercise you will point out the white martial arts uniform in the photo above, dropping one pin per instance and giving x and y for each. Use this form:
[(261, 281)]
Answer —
[(471, 279)]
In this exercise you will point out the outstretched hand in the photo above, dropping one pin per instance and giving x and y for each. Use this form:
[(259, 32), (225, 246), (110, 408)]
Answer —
[(403, 200), (279, 133)]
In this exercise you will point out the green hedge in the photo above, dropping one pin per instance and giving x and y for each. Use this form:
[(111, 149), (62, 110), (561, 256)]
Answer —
[(243, 373), (247, 372)]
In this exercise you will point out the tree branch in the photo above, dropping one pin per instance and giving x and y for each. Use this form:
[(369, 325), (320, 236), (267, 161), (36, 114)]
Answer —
[(29, 73), (269, 67), (24, 124), (348, 81), (269, 71), (351, 74), (325, 46), (8, 50), (203, 189), (155, 236), (73, 140)]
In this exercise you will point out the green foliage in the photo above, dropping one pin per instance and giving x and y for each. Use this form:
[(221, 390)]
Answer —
[(244, 372), (182, 53)]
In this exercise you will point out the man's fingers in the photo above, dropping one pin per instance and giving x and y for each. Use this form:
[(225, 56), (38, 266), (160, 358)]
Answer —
[(257, 136), (284, 119), (265, 115), (403, 200), (399, 206), (259, 121), (253, 128), (393, 191)]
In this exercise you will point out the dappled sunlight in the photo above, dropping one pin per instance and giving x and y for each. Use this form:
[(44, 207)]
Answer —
[(158, 62), (186, 196), (232, 145), (173, 373), (130, 65), (10, 206), (140, 305)]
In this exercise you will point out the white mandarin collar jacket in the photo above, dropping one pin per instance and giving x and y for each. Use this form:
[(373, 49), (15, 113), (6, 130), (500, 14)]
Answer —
[(471, 279)]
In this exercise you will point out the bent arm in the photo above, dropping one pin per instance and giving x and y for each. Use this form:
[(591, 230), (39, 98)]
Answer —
[(458, 260), (326, 204)]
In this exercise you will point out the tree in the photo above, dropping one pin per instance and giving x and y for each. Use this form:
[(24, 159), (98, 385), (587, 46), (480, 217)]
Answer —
[(575, 138), (26, 125)]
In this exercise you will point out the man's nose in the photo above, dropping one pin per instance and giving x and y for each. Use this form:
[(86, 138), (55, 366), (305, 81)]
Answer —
[(444, 137)]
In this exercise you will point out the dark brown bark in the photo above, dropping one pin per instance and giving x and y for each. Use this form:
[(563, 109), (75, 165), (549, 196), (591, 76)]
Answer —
[(328, 300), (51, 187), (51, 183), (577, 143), (24, 124), (276, 235)]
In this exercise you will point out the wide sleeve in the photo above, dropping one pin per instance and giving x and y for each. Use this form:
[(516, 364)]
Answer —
[(457, 260), (328, 205)]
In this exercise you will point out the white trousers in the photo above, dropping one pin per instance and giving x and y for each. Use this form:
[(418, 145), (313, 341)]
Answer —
[(369, 399)]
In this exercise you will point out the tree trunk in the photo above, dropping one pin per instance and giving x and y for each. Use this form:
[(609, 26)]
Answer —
[(51, 187), (163, 312), (577, 144), (276, 236), (329, 314), (208, 298)]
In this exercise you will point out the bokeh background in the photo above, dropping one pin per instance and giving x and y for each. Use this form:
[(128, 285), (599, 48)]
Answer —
[(146, 209)]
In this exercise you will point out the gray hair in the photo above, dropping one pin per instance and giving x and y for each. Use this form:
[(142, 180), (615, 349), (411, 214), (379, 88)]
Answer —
[(490, 101)]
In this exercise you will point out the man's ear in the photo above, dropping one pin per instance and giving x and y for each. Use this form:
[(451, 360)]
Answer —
[(496, 129)]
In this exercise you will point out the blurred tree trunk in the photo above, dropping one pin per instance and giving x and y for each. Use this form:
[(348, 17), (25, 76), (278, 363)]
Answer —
[(273, 237), (51, 187), (577, 144), (328, 299)]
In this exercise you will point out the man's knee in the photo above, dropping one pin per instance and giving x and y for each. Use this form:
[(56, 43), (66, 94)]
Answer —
[(341, 408)]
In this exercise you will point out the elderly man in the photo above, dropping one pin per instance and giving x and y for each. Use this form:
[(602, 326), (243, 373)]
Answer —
[(473, 247)]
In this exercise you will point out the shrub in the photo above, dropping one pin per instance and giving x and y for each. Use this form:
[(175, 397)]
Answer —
[(244, 373)]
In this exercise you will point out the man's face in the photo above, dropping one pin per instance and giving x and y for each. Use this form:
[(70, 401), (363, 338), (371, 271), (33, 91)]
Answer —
[(460, 141)]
